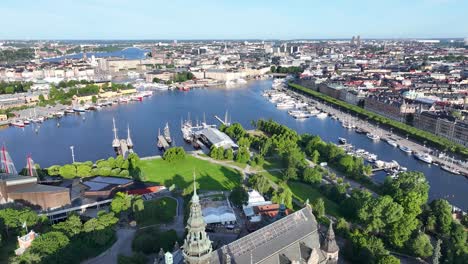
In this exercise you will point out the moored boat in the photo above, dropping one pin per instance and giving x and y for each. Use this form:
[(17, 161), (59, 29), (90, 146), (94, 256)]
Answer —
[(373, 136), (17, 123), (405, 149), (423, 157)]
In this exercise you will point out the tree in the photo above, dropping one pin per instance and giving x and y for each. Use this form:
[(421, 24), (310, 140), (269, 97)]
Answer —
[(174, 154), (229, 154), (243, 155), (71, 227), (273, 69), (121, 202), (421, 245), (318, 207), (314, 157), (410, 190), (442, 212), (436, 255), (83, 170), (49, 243), (378, 213), (388, 259), (239, 196), (260, 183), (94, 99), (290, 174), (312, 175), (68, 171), (283, 195)]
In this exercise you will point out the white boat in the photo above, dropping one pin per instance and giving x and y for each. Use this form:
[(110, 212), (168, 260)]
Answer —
[(322, 115), (69, 111), (423, 157), (285, 105), (27, 122), (17, 123), (373, 136), (392, 143), (406, 149), (347, 125), (123, 100), (300, 105), (450, 169), (342, 140), (79, 109), (314, 112), (299, 114)]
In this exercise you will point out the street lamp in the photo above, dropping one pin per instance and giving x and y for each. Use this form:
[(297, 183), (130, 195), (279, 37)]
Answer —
[(72, 153)]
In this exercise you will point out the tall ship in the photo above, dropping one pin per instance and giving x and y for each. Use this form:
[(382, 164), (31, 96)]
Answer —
[(30, 167), (167, 134)]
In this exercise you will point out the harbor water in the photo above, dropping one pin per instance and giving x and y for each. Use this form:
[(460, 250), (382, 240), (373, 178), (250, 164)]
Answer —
[(92, 136)]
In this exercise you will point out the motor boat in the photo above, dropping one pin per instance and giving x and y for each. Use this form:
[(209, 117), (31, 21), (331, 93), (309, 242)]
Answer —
[(322, 115), (406, 149), (373, 136), (342, 140), (423, 157), (17, 123), (392, 143)]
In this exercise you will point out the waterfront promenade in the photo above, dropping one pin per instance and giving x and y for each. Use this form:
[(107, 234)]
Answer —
[(382, 133)]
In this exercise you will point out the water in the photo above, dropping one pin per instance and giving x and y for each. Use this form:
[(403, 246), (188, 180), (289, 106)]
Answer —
[(93, 136), (128, 53)]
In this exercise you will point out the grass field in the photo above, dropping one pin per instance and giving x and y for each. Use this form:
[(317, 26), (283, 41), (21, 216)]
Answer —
[(210, 176), (157, 212)]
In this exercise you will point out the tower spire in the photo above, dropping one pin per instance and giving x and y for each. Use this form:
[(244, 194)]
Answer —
[(329, 246), (197, 245)]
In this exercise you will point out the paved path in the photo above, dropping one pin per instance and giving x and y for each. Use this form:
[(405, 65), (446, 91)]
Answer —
[(123, 246)]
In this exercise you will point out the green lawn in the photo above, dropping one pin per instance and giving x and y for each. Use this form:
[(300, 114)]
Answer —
[(210, 176), (157, 212)]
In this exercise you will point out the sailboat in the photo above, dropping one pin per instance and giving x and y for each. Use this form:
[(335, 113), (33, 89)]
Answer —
[(167, 134), (159, 144)]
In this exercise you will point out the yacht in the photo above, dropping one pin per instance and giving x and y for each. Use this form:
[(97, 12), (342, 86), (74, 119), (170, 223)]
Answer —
[(285, 105), (322, 115), (347, 125), (392, 143), (406, 149), (423, 157), (17, 123), (79, 109), (450, 168), (373, 136), (360, 131)]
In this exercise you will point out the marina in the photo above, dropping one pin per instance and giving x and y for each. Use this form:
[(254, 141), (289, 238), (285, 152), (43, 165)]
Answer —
[(92, 136)]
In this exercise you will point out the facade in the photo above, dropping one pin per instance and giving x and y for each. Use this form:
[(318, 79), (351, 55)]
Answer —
[(16, 188), (443, 125), (388, 107)]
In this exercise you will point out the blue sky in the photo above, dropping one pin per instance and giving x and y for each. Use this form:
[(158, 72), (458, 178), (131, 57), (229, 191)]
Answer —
[(234, 19)]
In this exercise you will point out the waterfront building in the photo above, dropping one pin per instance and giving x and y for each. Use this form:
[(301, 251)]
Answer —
[(395, 108), (213, 137), (443, 124), (17, 188)]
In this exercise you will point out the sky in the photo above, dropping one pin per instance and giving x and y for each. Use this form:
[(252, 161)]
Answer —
[(233, 19)]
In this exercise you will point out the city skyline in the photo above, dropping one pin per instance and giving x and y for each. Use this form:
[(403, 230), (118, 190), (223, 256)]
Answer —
[(182, 20)]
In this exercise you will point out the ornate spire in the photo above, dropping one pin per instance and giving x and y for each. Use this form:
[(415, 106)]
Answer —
[(329, 244), (197, 245)]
